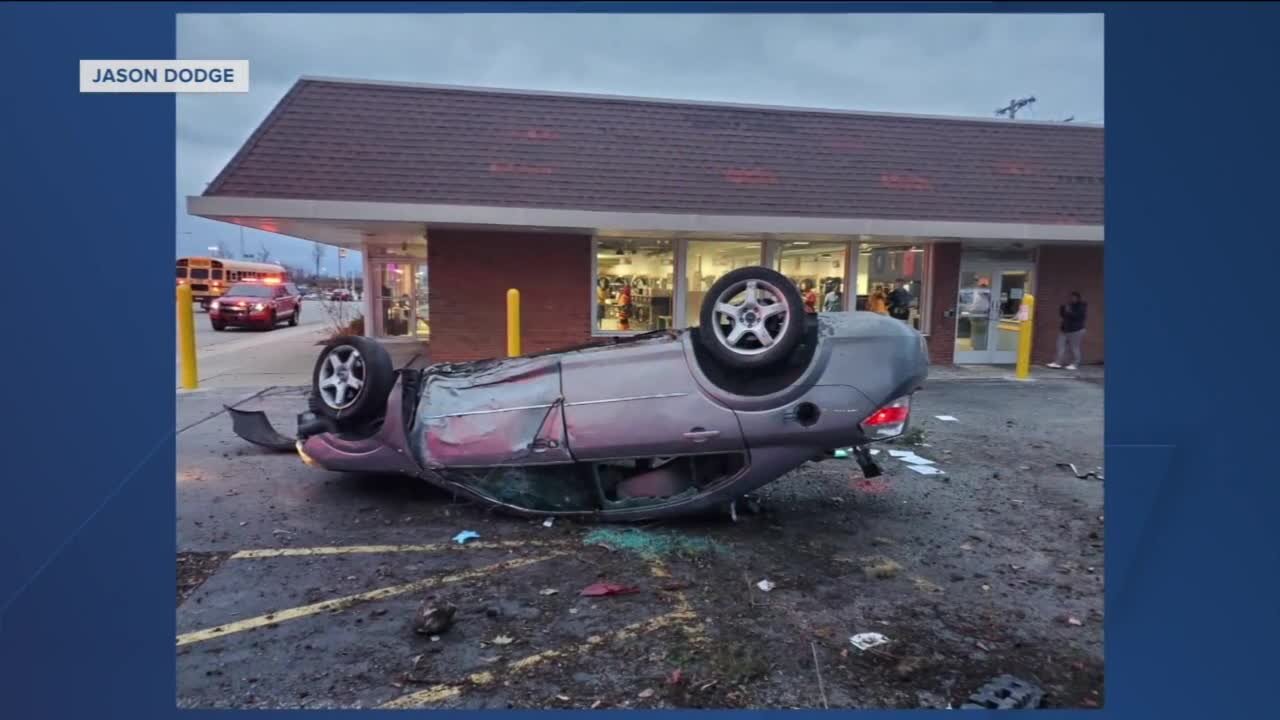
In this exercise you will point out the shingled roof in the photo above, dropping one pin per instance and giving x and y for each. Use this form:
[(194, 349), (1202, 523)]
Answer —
[(387, 142)]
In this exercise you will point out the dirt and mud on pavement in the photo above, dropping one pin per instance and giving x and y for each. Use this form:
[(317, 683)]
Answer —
[(307, 589)]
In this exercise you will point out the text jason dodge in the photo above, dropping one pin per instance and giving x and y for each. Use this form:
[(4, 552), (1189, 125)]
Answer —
[(183, 75)]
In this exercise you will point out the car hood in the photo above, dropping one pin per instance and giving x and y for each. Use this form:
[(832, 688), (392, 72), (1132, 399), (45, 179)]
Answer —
[(248, 300)]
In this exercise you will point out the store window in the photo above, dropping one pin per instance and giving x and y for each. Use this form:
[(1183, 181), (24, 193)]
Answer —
[(890, 281), (818, 270), (634, 285), (706, 261)]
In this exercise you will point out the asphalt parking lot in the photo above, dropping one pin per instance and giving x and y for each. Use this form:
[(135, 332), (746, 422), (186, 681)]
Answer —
[(301, 588)]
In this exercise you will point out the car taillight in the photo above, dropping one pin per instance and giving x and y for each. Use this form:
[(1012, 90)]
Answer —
[(890, 420)]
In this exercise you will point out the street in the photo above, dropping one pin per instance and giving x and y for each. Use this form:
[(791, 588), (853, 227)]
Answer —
[(239, 357), (302, 588)]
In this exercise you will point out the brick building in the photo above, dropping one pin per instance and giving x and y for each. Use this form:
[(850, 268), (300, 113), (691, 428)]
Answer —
[(614, 215)]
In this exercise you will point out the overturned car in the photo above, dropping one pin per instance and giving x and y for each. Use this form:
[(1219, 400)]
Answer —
[(662, 424)]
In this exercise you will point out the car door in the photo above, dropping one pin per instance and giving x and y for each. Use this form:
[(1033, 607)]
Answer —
[(280, 300), (640, 400)]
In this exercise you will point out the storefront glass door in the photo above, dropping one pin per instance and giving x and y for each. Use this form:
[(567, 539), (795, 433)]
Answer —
[(398, 305), (986, 312)]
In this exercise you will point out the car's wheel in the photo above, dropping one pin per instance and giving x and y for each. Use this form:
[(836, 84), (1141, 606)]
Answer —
[(352, 378), (271, 321), (752, 318), (293, 319), (218, 325)]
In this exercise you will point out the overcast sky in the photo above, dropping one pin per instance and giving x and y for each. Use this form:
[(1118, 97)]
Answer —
[(932, 64)]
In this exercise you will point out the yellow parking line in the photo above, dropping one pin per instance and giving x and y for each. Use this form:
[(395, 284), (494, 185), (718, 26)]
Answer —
[(697, 633), (436, 693), (343, 603), (373, 549)]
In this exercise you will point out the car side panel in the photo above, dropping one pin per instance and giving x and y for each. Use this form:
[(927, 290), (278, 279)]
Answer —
[(640, 400), (491, 414)]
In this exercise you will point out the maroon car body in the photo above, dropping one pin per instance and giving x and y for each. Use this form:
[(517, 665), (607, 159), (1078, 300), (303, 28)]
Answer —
[(261, 305)]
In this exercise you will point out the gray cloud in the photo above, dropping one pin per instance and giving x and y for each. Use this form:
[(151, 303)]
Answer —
[(949, 64)]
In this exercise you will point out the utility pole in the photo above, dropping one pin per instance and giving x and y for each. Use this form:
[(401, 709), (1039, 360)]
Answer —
[(242, 253), (1014, 106)]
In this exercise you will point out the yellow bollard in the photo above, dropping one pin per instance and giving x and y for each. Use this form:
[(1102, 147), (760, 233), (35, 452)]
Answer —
[(1027, 314), (187, 338), (513, 322)]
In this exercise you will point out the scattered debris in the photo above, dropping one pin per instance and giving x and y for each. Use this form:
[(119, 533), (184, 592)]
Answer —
[(646, 693), (931, 701), (766, 585), (1024, 468), (1096, 474), (503, 640), (907, 456), (548, 522), (870, 486), (947, 418), (1074, 621), (548, 591), (881, 568), (909, 666), (924, 585), (1005, 692), (433, 619), (650, 545), (866, 641), (925, 469), (817, 669), (881, 541), (605, 589), (462, 537), (966, 546), (676, 677)]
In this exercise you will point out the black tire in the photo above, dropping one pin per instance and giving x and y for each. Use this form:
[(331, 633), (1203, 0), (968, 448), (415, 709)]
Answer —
[(752, 355), (271, 321), (370, 401), (293, 319), (218, 325)]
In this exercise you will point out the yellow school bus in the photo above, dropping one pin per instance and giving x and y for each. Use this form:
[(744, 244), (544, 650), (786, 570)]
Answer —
[(210, 277)]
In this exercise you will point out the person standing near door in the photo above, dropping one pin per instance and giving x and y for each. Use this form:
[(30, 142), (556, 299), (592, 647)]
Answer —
[(900, 301), (1071, 331)]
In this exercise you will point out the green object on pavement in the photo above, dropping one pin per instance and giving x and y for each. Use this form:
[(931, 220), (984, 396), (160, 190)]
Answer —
[(651, 544)]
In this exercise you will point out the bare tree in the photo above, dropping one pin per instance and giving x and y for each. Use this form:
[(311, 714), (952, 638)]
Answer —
[(264, 255), (317, 254), (222, 250)]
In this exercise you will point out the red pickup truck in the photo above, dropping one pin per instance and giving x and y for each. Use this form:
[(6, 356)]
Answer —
[(261, 305)]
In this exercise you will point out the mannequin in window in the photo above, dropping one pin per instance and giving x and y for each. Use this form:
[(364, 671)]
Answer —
[(624, 307)]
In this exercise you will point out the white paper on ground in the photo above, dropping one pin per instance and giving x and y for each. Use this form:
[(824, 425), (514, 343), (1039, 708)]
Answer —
[(907, 456), (917, 460), (925, 469), (866, 641), (875, 452), (947, 418)]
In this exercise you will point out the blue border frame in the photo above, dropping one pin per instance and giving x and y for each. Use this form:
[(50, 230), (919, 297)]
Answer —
[(86, 576)]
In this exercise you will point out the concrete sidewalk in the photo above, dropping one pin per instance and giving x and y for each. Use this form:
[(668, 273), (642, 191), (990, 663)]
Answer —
[(951, 373)]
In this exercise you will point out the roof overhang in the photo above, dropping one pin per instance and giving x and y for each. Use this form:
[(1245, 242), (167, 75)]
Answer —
[(347, 223)]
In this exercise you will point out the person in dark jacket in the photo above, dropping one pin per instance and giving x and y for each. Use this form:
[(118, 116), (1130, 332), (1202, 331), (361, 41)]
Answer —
[(900, 301), (1071, 331)]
